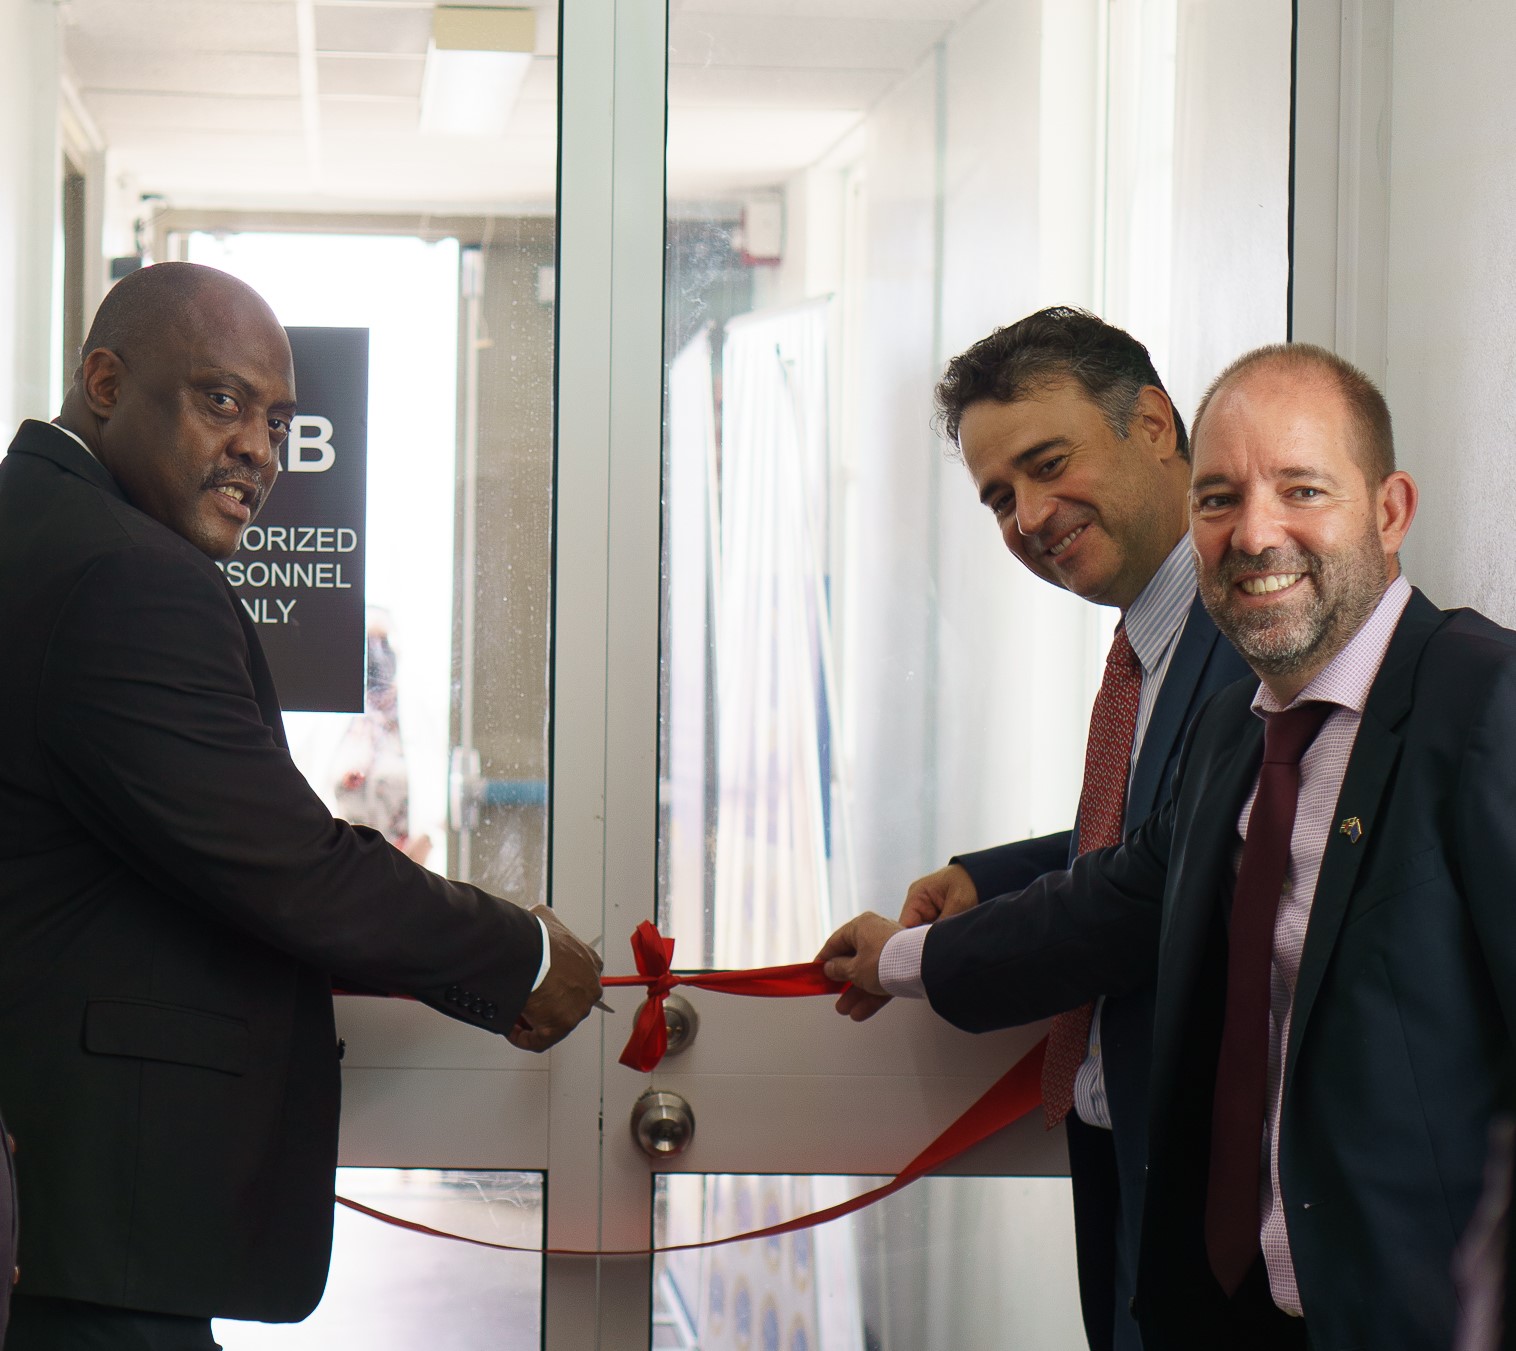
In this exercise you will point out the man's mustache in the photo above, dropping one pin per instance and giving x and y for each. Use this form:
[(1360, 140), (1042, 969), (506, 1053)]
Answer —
[(1236, 565), (257, 488)]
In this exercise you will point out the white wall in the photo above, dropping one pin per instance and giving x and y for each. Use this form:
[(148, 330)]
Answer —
[(978, 172), (1231, 187), (29, 195), (983, 190), (1452, 294), (890, 689), (1015, 656)]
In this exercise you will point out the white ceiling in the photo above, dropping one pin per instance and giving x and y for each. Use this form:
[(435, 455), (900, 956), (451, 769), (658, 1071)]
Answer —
[(223, 103)]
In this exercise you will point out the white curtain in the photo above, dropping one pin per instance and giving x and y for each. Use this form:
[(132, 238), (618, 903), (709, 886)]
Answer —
[(776, 706), (691, 549)]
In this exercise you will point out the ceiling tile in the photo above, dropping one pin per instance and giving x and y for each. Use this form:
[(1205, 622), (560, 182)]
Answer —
[(800, 43), (97, 67), (184, 25), (739, 86), (376, 116), (124, 115), (393, 77), (749, 148), (759, 88), (397, 29), (867, 11)]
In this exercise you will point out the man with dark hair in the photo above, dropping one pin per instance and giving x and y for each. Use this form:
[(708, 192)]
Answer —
[(174, 900), (1074, 446), (1057, 343), (1325, 902)]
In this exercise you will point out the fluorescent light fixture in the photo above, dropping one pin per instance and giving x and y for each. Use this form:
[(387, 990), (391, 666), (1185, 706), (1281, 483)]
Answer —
[(475, 65)]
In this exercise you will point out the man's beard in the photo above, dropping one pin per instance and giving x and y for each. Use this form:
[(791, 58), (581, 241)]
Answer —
[(1333, 597)]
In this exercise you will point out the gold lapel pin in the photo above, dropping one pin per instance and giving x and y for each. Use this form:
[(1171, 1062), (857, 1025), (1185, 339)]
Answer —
[(1352, 828)]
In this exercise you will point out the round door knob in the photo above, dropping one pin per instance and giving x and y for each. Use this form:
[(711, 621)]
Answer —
[(681, 1022), (662, 1124)]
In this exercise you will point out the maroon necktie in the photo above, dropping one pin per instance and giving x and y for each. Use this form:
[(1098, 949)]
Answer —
[(1102, 808), (1231, 1203)]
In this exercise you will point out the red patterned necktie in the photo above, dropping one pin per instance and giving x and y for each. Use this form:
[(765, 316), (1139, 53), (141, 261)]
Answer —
[(1102, 808), (1231, 1203)]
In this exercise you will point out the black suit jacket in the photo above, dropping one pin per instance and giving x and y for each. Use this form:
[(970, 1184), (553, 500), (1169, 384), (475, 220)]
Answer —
[(1203, 662), (1401, 1043), (173, 901), (7, 1228)]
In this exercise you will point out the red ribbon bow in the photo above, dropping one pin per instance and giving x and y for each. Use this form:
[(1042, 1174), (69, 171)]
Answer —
[(654, 955)]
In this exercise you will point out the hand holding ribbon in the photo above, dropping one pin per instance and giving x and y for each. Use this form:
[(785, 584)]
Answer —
[(654, 956)]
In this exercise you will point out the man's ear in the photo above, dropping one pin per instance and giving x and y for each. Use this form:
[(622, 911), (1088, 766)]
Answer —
[(100, 376), (1153, 422), (1396, 508)]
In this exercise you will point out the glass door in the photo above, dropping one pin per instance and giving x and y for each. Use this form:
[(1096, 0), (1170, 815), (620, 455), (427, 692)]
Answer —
[(856, 682)]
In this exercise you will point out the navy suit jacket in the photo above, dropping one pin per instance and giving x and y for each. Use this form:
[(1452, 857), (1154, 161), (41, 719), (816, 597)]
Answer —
[(173, 902), (1401, 1041), (1203, 663)]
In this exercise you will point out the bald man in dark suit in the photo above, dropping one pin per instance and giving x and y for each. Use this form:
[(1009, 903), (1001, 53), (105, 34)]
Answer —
[(174, 899)]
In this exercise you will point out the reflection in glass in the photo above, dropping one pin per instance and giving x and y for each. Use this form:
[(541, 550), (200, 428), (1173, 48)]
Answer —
[(393, 1290), (386, 767), (947, 1263), (308, 151)]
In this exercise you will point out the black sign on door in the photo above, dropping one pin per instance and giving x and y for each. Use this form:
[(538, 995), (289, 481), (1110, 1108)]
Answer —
[(300, 570)]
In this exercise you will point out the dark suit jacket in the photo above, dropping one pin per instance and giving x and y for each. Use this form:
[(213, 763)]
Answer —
[(173, 901), (8, 1227), (1401, 1043), (1203, 663)]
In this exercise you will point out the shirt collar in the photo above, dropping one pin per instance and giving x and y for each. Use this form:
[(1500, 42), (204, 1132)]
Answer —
[(1155, 616), (1348, 677), (77, 439)]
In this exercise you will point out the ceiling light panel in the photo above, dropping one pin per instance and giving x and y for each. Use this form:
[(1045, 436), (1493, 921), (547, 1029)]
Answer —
[(476, 65), (475, 28)]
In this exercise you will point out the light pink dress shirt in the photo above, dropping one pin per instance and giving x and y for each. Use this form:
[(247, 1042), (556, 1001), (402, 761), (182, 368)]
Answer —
[(1345, 681)]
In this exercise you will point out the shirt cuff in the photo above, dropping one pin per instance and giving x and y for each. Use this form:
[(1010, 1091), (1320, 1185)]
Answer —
[(547, 953), (900, 963)]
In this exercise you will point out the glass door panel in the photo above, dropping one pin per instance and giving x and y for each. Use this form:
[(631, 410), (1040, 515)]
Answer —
[(856, 682), (951, 1262), (837, 605), (393, 1290), (387, 766), (393, 168)]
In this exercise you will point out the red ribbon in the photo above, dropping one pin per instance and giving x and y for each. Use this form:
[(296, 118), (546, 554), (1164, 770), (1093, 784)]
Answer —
[(1017, 1092), (654, 955)]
